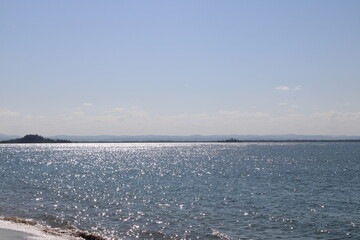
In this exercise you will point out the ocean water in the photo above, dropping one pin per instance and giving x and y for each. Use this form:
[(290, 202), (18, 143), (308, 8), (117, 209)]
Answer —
[(187, 190)]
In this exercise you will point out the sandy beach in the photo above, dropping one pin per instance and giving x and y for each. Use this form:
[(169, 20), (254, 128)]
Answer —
[(23, 229), (20, 231), (6, 234)]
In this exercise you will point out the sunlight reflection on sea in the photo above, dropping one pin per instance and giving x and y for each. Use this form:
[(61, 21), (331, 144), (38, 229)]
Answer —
[(186, 190)]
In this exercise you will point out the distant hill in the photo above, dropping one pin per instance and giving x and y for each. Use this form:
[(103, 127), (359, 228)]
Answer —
[(34, 138)]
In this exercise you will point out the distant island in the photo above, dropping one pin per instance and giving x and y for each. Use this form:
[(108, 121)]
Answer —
[(34, 138), (231, 140)]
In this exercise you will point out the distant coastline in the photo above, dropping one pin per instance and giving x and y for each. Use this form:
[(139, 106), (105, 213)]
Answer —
[(35, 138), (222, 141)]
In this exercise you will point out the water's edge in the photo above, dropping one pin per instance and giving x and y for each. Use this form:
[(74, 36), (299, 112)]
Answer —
[(28, 228)]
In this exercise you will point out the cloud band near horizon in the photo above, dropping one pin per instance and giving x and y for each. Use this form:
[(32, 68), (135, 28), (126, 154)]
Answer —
[(140, 122)]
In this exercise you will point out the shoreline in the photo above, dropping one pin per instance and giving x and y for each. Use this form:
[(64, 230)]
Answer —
[(220, 141), (23, 229)]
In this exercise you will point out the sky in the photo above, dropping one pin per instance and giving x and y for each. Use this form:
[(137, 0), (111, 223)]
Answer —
[(180, 67)]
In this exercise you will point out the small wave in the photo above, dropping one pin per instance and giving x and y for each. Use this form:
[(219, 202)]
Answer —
[(220, 235), (41, 232)]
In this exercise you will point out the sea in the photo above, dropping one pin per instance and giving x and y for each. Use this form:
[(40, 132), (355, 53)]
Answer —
[(303, 190)]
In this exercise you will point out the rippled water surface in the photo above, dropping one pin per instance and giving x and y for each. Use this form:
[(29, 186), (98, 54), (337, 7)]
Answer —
[(187, 190)]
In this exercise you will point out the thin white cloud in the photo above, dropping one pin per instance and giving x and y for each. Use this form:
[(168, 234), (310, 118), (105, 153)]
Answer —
[(282, 88), (77, 113), (283, 104), (87, 104), (116, 110), (286, 88), (289, 108), (298, 88), (7, 113)]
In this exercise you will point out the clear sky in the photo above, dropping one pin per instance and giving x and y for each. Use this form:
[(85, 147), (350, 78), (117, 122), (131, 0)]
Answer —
[(180, 67)]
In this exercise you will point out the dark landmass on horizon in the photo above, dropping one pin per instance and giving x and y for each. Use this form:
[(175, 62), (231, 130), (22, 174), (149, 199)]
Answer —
[(34, 138)]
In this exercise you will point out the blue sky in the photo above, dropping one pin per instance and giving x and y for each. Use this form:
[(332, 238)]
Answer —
[(180, 67)]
